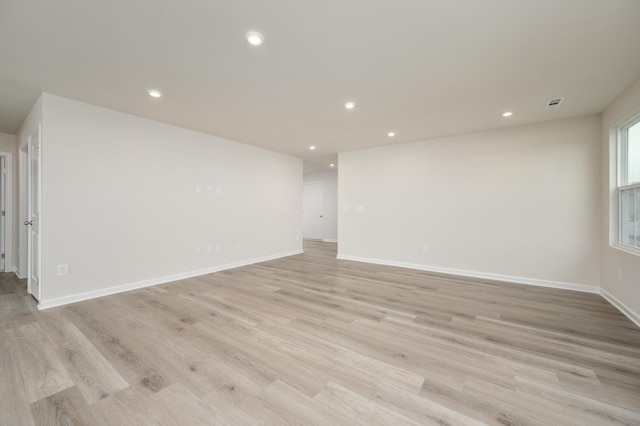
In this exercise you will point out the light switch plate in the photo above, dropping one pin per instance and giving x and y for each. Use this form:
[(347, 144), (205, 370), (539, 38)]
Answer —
[(63, 270)]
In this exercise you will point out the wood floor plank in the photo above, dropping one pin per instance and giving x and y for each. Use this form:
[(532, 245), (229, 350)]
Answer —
[(94, 376), (353, 405), (301, 408), (422, 410), (310, 339), (66, 407), (592, 410), (14, 405), (177, 405), (43, 372), (129, 407), (188, 355), (241, 406), (124, 353), (15, 310)]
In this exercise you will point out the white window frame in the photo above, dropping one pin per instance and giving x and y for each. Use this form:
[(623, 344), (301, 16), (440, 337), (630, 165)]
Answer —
[(622, 164)]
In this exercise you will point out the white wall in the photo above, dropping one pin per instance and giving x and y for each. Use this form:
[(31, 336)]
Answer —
[(624, 291), (330, 180), (8, 143), (120, 205), (519, 203)]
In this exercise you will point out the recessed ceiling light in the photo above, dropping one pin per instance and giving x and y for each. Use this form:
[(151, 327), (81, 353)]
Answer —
[(254, 38), (507, 114), (154, 93), (332, 165), (312, 147), (391, 134), (350, 105)]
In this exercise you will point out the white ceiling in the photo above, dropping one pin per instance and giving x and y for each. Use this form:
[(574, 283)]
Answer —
[(424, 68)]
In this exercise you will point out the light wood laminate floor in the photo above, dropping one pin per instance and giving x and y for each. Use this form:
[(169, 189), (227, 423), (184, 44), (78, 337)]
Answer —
[(313, 340)]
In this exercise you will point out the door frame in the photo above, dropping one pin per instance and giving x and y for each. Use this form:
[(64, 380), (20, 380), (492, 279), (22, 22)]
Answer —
[(8, 217), (320, 182), (25, 154), (21, 259)]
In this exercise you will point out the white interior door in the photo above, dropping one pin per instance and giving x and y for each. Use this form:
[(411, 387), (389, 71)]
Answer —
[(33, 214), (313, 210)]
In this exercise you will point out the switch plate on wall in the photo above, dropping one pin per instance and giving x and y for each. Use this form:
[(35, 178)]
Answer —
[(63, 270)]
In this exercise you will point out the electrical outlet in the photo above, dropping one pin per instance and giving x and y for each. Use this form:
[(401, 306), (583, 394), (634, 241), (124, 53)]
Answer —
[(219, 189), (63, 270), (219, 248), (198, 188), (424, 248)]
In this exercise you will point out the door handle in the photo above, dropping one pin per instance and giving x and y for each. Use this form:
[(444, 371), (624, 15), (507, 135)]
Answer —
[(28, 222)]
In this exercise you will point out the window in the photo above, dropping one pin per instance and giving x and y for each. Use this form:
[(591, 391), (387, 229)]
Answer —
[(629, 184)]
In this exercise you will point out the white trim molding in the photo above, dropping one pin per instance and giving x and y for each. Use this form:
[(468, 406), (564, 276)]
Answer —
[(621, 306), (16, 271), (65, 300), (8, 224), (483, 275)]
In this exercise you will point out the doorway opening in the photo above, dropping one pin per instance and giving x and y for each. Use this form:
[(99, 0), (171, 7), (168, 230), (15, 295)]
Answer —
[(6, 212), (313, 210), (30, 184)]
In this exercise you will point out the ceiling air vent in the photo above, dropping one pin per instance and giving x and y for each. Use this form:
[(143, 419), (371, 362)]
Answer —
[(554, 103)]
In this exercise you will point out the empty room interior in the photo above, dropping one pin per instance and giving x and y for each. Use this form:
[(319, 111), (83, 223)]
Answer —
[(320, 213)]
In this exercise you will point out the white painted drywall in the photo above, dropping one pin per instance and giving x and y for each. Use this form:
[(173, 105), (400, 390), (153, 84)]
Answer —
[(330, 180), (8, 143), (120, 206), (626, 289), (519, 202)]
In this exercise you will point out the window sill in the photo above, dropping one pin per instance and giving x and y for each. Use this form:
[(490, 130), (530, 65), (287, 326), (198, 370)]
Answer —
[(626, 249)]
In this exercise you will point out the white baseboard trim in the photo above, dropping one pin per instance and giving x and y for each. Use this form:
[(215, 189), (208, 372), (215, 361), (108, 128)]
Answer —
[(65, 300), (483, 275), (17, 272), (621, 306), (329, 240)]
